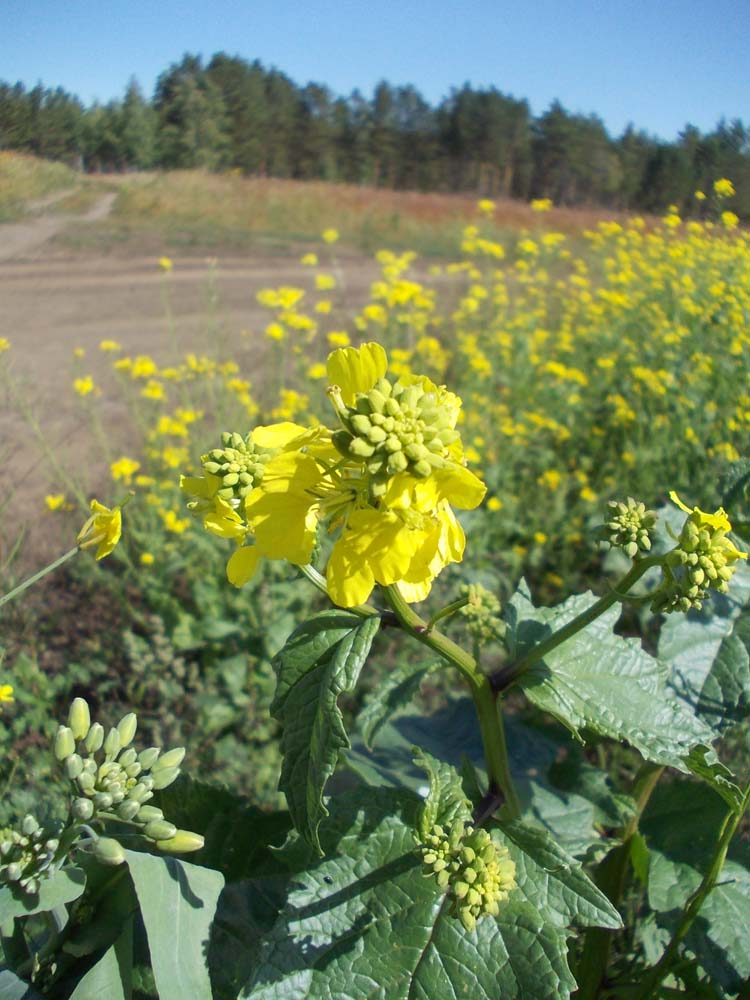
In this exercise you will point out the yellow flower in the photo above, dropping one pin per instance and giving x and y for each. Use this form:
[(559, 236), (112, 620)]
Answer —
[(124, 468), (146, 559), (717, 521), (84, 386), (494, 504), (486, 206), (730, 220), (109, 345), (174, 523), (165, 264), (541, 204), (723, 188), (54, 501), (79, 352), (309, 260), (153, 390), (6, 693), (330, 235), (317, 371), (338, 338), (699, 196), (102, 529), (4, 344), (356, 369), (325, 282)]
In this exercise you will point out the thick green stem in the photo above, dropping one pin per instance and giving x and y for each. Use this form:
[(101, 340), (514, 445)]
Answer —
[(659, 972), (485, 699), (37, 576), (618, 593), (610, 877)]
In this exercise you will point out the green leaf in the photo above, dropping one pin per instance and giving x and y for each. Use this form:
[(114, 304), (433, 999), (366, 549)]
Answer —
[(365, 921), (554, 882), (237, 834), (567, 796), (178, 903), (600, 681), (321, 660), (446, 800), (708, 653), (681, 826), (62, 887), (111, 978), (704, 763), (393, 692)]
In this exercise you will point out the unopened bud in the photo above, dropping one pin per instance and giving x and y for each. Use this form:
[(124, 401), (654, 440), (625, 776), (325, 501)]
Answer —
[(65, 745), (108, 851), (83, 809), (182, 842), (94, 738), (126, 728), (112, 743), (147, 758), (160, 829), (79, 718), (164, 777), (172, 758)]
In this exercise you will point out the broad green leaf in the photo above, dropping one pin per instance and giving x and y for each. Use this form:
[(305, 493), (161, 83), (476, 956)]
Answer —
[(13, 988), (62, 887), (178, 903), (365, 921), (681, 826), (446, 800), (111, 978), (704, 763), (554, 882), (392, 693), (601, 682), (237, 834), (708, 655), (321, 660), (557, 787)]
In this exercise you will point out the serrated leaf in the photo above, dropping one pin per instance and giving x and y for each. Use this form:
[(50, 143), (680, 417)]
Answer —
[(321, 660), (554, 882), (112, 976), (177, 902), (708, 654), (365, 921), (446, 800), (704, 763), (62, 887), (600, 681), (392, 693)]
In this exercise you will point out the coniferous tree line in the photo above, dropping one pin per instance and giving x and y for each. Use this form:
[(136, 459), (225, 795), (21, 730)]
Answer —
[(235, 114)]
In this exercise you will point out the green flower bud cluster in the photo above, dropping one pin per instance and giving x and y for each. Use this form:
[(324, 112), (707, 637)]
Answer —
[(112, 780), (477, 872), (239, 464), (703, 559), (27, 854), (482, 613), (629, 526), (396, 428)]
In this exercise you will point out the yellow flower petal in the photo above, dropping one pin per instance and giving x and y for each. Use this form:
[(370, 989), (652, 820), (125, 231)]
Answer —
[(242, 565), (277, 435), (356, 369)]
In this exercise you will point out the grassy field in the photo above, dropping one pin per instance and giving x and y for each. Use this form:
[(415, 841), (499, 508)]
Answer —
[(24, 179), (595, 358)]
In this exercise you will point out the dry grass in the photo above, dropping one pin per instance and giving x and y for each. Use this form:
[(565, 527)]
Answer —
[(25, 178)]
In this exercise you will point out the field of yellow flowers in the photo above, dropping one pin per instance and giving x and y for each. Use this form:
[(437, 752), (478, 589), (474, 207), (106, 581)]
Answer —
[(591, 367)]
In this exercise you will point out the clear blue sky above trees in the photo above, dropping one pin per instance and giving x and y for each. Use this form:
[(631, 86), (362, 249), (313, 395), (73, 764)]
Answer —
[(657, 64)]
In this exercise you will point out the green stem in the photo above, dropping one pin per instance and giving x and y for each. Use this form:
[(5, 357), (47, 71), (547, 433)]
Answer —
[(619, 593), (610, 877), (485, 699), (37, 576), (659, 972), (447, 611)]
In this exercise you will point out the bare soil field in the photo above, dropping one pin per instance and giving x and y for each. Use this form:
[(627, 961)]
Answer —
[(54, 299)]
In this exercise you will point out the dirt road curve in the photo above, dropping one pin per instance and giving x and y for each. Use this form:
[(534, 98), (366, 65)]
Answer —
[(52, 301)]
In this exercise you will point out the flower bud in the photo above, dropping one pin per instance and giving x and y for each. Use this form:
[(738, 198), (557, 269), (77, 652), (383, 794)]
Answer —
[(73, 766), (172, 758), (127, 757), (146, 814), (112, 743), (160, 829), (65, 745), (126, 728), (164, 777), (128, 809), (182, 842), (108, 851), (83, 809), (94, 738), (147, 758), (29, 825), (79, 718)]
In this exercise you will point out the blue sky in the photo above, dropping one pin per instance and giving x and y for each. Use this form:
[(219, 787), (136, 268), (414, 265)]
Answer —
[(658, 64)]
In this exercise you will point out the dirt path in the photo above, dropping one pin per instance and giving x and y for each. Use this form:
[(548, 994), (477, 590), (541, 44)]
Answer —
[(52, 301), (18, 239)]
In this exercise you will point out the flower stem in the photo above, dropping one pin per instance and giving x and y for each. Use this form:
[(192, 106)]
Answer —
[(485, 699), (512, 672), (38, 576), (652, 981)]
